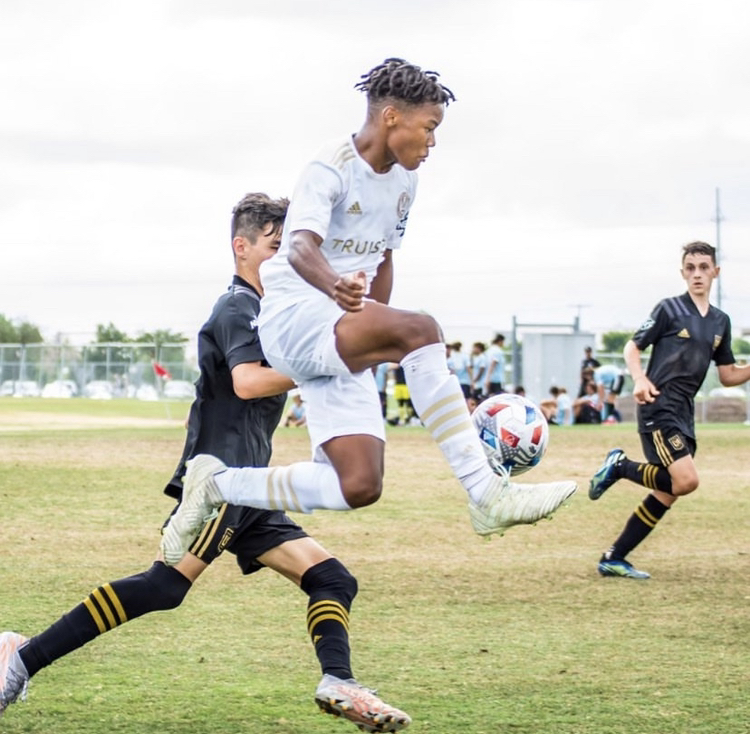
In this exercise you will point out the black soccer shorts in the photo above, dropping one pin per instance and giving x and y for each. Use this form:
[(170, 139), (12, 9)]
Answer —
[(246, 532), (665, 445)]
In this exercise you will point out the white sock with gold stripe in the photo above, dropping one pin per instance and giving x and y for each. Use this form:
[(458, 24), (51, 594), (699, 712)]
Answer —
[(301, 487), (441, 406)]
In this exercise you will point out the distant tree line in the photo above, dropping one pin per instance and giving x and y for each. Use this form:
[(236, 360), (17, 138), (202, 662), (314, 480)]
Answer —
[(21, 332), (24, 332), (110, 334), (112, 355), (614, 342)]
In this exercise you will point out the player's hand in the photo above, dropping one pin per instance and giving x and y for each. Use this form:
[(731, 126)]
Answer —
[(349, 291), (644, 391)]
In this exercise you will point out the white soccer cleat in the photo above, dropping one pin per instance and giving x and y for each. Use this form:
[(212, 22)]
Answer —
[(13, 676), (505, 504), (359, 705), (200, 496)]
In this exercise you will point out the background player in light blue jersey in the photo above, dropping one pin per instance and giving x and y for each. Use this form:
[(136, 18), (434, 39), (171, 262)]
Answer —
[(458, 364), (609, 379), (495, 375)]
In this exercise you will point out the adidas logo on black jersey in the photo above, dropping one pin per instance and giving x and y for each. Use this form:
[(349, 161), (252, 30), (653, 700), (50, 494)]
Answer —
[(355, 208), (684, 334)]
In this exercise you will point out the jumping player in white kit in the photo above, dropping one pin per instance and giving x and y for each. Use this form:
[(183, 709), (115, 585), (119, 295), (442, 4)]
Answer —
[(325, 321)]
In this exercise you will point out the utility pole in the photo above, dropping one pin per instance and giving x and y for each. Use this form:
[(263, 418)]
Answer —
[(577, 320), (718, 219)]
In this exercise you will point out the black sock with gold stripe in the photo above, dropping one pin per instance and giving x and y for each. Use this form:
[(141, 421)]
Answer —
[(161, 587), (651, 476), (640, 524), (331, 589)]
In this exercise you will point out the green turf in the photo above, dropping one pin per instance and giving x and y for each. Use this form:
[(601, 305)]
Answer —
[(121, 407), (516, 635)]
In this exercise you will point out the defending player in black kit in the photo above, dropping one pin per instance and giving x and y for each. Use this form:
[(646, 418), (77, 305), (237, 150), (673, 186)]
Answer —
[(686, 333), (239, 402)]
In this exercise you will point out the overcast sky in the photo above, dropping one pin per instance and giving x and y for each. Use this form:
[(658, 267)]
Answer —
[(584, 150)]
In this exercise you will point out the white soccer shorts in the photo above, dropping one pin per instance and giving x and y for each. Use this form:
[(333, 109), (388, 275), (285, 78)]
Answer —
[(300, 342)]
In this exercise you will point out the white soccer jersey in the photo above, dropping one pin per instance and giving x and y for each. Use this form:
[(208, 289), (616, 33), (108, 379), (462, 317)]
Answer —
[(358, 213)]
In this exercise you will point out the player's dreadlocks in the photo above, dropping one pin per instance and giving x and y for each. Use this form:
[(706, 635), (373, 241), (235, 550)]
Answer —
[(255, 212), (398, 79)]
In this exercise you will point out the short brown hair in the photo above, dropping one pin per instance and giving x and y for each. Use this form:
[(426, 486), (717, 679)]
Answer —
[(255, 212), (699, 248)]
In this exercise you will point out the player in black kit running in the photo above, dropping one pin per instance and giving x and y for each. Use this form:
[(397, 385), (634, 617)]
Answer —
[(686, 333), (239, 402)]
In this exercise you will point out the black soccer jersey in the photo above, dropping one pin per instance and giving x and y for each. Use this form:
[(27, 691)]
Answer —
[(684, 343), (236, 431)]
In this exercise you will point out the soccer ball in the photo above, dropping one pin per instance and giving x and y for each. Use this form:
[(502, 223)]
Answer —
[(513, 431)]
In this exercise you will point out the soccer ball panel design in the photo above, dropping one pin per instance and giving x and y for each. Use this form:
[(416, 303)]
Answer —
[(513, 431)]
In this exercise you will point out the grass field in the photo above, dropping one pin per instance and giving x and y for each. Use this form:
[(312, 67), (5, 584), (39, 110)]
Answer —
[(517, 635)]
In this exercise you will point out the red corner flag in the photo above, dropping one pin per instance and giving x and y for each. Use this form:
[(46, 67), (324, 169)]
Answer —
[(161, 371)]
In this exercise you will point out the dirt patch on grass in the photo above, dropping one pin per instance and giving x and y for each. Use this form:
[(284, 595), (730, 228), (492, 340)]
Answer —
[(26, 421)]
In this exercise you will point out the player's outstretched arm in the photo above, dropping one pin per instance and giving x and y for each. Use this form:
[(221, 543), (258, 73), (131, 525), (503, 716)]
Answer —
[(253, 380), (731, 375)]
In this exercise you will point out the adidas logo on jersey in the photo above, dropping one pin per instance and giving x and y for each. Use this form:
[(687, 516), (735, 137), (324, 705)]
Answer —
[(684, 334), (355, 208)]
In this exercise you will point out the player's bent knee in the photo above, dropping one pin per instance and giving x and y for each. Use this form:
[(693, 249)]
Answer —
[(362, 497), (361, 494), (332, 579), (419, 330), (360, 486), (169, 586), (684, 486)]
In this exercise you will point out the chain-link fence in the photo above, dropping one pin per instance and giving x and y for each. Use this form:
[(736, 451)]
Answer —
[(151, 371), (713, 403), (106, 370)]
